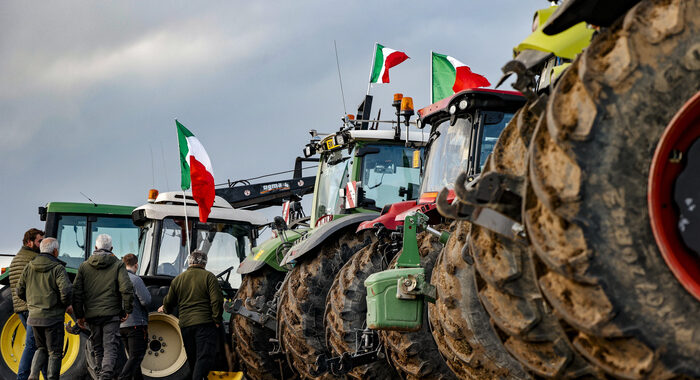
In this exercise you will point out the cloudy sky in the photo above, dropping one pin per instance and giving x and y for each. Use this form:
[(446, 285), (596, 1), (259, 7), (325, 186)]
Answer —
[(90, 89)]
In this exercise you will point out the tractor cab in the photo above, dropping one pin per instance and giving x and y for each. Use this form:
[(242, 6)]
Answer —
[(463, 131), (227, 237)]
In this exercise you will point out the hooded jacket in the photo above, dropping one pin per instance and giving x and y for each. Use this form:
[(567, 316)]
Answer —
[(102, 287), (19, 262), (45, 287)]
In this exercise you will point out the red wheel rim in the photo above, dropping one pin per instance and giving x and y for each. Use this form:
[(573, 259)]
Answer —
[(680, 133)]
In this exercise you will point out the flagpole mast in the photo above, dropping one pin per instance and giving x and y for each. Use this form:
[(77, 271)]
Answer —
[(187, 224), (371, 67), (184, 205), (431, 78)]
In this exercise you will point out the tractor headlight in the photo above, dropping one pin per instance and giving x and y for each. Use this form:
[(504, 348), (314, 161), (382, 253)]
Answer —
[(453, 109), (463, 104), (309, 151), (339, 140)]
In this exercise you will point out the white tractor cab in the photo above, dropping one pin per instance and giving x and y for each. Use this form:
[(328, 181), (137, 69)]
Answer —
[(227, 237)]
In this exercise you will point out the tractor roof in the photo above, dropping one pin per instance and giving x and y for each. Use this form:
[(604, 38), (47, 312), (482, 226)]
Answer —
[(487, 99), (88, 208), (171, 204), (387, 135)]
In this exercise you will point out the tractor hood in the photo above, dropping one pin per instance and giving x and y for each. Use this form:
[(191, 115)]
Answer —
[(313, 240)]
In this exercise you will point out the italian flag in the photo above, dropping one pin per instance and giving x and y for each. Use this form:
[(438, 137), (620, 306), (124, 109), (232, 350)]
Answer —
[(384, 59), (450, 76), (195, 170)]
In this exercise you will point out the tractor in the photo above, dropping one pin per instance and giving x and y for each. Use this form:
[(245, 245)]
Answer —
[(599, 272), (361, 170)]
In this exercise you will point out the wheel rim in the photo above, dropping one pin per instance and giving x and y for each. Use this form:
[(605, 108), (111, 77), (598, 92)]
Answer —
[(12, 344), (679, 135), (165, 353)]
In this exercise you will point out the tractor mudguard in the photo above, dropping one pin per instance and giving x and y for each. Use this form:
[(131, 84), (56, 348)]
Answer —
[(388, 216), (566, 44), (267, 253), (595, 12), (324, 232)]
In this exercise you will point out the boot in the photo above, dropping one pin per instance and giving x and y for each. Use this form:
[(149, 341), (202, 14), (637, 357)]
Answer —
[(38, 363)]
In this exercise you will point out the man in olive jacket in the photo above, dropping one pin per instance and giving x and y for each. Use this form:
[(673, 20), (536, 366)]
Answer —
[(45, 286), (197, 295), (103, 296), (29, 250)]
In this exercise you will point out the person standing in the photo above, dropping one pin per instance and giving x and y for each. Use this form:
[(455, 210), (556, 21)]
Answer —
[(134, 330), (103, 296), (30, 249), (47, 290), (197, 295)]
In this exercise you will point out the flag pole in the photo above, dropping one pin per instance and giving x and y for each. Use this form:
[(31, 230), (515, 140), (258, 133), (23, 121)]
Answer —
[(184, 205), (371, 67), (187, 224), (431, 78)]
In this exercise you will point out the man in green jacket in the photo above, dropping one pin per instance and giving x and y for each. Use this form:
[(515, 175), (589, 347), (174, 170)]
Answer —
[(29, 250), (197, 295), (104, 298), (45, 286)]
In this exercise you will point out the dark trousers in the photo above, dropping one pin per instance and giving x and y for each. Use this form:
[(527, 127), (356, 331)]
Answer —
[(25, 363), (104, 337), (135, 340), (49, 351), (200, 345)]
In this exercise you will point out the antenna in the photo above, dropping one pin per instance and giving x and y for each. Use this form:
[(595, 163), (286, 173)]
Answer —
[(153, 167), (165, 169), (342, 94), (86, 197)]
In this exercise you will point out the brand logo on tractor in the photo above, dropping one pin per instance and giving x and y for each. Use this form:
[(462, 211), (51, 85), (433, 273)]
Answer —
[(275, 187)]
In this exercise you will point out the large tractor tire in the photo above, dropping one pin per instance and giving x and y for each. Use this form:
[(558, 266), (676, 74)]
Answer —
[(346, 308), (252, 341), (461, 327), (506, 281), (12, 335), (415, 355), (587, 215), (303, 302)]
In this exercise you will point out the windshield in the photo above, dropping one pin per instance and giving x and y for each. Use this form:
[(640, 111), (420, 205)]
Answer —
[(448, 155), (387, 171), (72, 234), (492, 130), (225, 243), (333, 176)]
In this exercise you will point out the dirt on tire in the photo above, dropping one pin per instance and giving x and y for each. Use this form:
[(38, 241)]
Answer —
[(461, 326), (252, 341), (586, 210), (303, 301), (415, 355), (346, 308)]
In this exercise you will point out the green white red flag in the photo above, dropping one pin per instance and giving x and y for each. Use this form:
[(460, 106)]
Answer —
[(384, 59), (450, 76), (196, 171)]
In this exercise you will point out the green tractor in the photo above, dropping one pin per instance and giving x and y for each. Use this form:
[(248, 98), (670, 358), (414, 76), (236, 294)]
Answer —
[(360, 171), (603, 276), (76, 226)]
